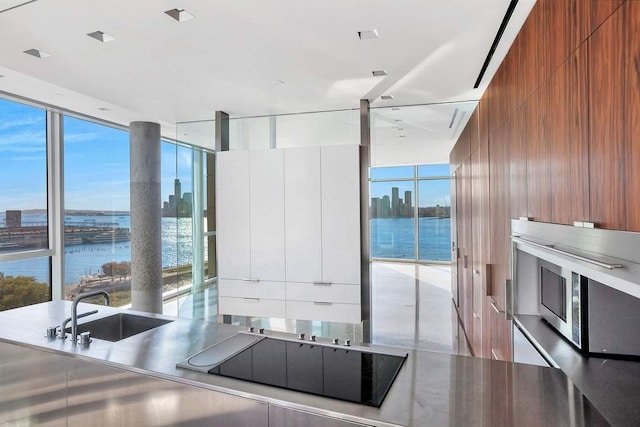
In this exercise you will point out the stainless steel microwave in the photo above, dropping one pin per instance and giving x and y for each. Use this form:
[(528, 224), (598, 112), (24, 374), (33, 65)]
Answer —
[(563, 301)]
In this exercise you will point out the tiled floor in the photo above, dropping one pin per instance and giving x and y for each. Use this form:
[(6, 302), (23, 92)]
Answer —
[(411, 308)]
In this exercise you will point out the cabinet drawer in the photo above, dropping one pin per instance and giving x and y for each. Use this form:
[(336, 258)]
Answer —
[(243, 289), (347, 294), (331, 312), (256, 307)]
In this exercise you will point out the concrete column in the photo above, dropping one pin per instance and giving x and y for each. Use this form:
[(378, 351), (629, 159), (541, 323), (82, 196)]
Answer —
[(146, 236)]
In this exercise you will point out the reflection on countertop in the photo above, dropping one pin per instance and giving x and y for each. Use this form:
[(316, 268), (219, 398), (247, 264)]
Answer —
[(430, 389)]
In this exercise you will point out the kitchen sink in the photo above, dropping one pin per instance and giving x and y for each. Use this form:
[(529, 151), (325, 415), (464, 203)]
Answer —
[(120, 326)]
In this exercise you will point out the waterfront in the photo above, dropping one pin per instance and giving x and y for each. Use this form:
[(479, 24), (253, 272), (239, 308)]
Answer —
[(395, 238), (87, 259)]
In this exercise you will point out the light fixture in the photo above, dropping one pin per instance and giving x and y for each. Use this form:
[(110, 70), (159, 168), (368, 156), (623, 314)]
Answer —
[(397, 120), (368, 34), (37, 53), (179, 15), (378, 73), (101, 36), (386, 97)]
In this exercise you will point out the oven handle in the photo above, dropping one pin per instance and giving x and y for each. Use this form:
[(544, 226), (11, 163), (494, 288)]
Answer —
[(569, 254)]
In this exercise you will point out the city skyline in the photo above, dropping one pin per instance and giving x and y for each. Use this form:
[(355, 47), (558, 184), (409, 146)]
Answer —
[(96, 163)]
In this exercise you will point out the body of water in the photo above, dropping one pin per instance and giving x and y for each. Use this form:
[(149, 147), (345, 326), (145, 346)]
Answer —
[(395, 238), (87, 259)]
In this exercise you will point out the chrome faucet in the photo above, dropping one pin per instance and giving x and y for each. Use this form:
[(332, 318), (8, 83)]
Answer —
[(74, 310)]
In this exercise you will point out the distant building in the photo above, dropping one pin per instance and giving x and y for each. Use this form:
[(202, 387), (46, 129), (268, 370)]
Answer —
[(179, 205), (395, 201), (13, 219)]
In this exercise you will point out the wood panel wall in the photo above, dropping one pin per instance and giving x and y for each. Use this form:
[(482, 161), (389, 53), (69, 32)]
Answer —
[(561, 124)]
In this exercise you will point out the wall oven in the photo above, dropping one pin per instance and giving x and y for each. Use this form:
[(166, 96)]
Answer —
[(583, 283)]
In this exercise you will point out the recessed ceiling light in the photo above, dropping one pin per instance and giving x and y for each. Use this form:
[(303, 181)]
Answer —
[(37, 53), (101, 36), (277, 82), (395, 109), (398, 120), (386, 97), (179, 15), (368, 34), (104, 109), (377, 73)]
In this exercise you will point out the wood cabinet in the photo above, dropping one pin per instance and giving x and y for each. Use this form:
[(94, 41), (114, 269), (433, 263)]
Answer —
[(559, 120), (297, 215), (614, 119)]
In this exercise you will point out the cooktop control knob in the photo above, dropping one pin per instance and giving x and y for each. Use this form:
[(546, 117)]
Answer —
[(312, 338), (251, 329), (336, 341), (347, 343), (301, 336), (262, 330)]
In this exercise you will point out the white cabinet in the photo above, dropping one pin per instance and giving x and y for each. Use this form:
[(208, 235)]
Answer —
[(232, 205), (296, 216), (266, 170), (340, 176), (303, 214)]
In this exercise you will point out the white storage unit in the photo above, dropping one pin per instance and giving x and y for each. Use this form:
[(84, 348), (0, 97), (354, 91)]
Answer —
[(302, 253)]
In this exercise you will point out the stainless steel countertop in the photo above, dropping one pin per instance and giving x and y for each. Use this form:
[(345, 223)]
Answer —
[(431, 389), (610, 384)]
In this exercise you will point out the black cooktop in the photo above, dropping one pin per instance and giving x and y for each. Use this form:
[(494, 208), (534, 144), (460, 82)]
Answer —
[(337, 372)]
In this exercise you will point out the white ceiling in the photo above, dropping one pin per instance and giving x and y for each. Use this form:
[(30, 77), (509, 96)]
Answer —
[(229, 56)]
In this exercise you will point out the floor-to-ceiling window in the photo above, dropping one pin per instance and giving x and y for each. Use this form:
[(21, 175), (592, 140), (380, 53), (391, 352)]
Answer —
[(25, 251), (410, 213), (97, 223)]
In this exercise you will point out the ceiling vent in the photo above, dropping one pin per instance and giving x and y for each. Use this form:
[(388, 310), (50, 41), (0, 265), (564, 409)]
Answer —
[(453, 119), (386, 97), (378, 73), (37, 53), (179, 15), (368, 34), (101, 36)]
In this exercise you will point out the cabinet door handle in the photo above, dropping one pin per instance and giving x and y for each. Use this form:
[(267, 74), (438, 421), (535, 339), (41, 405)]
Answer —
[(322, 283), (465, 261), (252, 299), (487, 279), (322, 303), (495, 308), (249, 279)]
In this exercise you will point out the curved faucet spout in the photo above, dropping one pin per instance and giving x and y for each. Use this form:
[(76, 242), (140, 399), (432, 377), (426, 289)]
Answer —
[(74, 310)]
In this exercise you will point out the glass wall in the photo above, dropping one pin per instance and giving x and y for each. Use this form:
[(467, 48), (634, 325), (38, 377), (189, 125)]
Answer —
[(402, 228), (97, 223), (24, 214)]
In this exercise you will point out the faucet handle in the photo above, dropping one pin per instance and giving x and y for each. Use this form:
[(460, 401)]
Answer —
[(84, 338), (52, 332)]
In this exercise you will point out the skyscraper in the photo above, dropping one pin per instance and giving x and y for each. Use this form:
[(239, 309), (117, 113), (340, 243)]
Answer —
[(407, 201), (395, 201), (385, 210)]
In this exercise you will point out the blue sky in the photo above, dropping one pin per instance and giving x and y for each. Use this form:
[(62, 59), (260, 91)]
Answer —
[(96, 162), (432, 192)]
